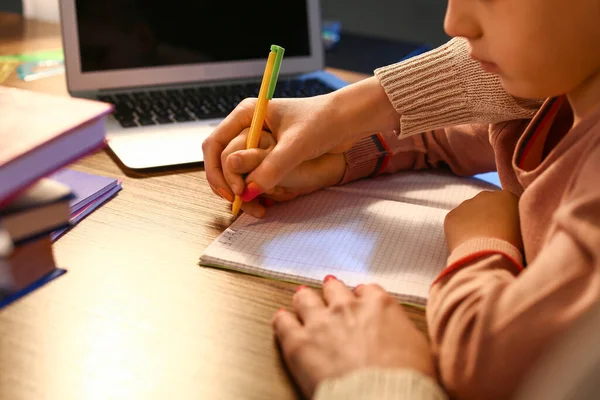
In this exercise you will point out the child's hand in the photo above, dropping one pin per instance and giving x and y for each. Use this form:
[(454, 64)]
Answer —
[(489, 214), (303, 129), (345, 331), (308, 177)]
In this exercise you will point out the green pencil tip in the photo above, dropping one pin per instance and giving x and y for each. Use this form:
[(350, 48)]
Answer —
[(276, 67)]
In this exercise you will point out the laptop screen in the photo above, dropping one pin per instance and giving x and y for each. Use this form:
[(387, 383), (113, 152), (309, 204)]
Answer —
[(125, 34)]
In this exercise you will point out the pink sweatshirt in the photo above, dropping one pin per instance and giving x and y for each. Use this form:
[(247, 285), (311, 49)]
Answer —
[(493, 311)]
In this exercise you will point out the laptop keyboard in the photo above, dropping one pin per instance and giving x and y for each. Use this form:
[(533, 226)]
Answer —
[(200, 103)]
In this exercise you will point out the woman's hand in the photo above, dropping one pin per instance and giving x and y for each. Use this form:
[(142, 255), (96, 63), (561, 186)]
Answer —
[(303, 129), (330, 336), (489, 215)]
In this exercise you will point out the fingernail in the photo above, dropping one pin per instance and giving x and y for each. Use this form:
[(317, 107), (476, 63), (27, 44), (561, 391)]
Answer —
[(280, 310), (328, 278), (225, 194), (358, 286), (299, 288), (251, 192)]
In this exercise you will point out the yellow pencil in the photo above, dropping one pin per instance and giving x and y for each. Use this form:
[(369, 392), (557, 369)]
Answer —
[(267, 89)]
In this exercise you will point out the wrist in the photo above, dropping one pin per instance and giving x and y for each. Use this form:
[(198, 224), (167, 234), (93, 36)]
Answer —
[(362, 109), (334, 167)]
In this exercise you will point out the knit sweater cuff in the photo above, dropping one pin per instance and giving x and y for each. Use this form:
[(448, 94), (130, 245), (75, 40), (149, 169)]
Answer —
[(366, 158), (474, 249), (380, 384), (446, 87)]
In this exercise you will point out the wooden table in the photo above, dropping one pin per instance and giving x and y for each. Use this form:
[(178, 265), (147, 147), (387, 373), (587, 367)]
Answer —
[(135, 317)]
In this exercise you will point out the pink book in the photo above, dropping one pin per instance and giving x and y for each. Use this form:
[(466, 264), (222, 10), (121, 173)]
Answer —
[(40, 133)]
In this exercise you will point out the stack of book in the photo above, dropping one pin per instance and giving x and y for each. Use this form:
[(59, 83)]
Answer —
[(89, 192), (39, 135)]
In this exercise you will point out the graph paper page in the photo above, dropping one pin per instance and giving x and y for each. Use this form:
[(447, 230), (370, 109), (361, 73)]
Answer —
[(433, 188), (346, 233)]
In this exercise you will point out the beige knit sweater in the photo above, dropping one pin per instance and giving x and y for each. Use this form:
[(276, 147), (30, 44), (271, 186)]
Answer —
[(381, 384), (488, 321)]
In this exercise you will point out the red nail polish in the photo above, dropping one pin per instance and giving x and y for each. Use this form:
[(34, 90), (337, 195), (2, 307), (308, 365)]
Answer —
[(299, 288), (250, 192), (328, 277), (225, 194)]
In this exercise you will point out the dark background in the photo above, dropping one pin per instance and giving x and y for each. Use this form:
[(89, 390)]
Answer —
[(374, 32)]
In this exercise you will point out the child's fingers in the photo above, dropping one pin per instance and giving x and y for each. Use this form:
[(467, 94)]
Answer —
[(232, 170), (228, 129), (279, 194), (245, 161), (254, 208), (234, 181), (308, 177), (284, 157), (267, 141)]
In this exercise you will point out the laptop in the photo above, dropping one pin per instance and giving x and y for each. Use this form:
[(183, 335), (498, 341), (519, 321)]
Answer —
[(174, 69)]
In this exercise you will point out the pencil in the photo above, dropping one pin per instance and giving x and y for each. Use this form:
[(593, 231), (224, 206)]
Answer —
[(267, 89)]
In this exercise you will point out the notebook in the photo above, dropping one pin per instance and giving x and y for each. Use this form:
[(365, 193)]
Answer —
[(90, 191), (41, 133), (386, 230)]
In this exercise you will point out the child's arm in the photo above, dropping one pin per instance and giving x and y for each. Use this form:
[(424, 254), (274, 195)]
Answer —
[(447, 95), (489, 322), (465, 149)]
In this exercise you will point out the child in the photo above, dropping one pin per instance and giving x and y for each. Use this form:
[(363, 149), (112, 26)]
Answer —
[(525, 262)]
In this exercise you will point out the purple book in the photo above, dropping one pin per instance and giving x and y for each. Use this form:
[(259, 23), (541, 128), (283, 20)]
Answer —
[(90, 192)]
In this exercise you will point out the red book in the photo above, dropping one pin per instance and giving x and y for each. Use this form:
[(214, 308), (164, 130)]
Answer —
[(40, 133)]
